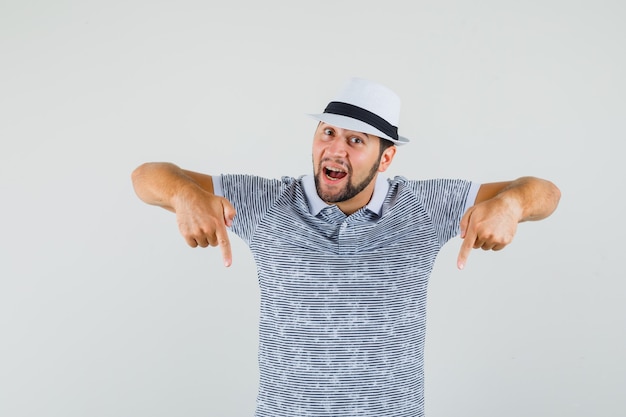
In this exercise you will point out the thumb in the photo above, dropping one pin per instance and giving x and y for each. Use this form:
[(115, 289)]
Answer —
[(464, 223), (229, 212)]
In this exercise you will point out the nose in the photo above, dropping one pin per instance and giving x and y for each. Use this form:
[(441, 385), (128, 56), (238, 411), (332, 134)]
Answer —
[(337, 147)]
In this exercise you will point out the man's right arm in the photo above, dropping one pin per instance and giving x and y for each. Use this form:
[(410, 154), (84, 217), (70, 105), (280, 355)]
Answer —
[(202, 216)]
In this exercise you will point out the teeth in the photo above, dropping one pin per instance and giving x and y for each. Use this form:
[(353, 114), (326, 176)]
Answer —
[(334, 169)]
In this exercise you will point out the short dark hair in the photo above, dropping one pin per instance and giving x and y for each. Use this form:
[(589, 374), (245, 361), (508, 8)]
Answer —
[(384, 144)]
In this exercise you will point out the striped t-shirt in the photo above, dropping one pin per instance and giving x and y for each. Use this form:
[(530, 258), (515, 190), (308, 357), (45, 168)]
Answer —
[(343, 298)]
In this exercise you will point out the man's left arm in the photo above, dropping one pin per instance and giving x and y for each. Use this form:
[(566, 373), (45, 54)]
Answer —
[(491, 223)]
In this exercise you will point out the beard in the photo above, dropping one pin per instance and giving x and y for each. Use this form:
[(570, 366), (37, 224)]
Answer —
[(349, 191)]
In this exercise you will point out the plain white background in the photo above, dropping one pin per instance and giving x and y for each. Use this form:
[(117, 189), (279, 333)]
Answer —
[(104, 310)]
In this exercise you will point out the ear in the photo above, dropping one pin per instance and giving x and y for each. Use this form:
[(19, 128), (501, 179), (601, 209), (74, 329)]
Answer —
[(386, 158)]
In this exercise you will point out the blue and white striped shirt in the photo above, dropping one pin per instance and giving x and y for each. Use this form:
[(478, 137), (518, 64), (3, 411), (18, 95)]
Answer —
[(343, 298)]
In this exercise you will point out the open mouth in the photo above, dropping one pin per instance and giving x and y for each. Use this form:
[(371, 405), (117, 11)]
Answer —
[(334, 174)]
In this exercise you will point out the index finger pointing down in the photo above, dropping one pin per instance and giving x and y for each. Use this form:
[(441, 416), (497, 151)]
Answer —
[(466, 248), (224, 244)]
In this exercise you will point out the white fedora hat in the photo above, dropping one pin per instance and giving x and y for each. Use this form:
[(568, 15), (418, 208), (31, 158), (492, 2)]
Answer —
[(365, 106)]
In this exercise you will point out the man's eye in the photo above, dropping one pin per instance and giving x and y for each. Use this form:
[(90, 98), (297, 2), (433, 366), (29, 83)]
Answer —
[(356, 140), (328, 131)]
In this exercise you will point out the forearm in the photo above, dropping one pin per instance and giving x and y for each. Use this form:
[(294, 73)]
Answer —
[(160, 183), (532, 198)]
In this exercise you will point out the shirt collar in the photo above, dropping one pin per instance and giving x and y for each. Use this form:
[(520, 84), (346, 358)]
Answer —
[(316, 204)]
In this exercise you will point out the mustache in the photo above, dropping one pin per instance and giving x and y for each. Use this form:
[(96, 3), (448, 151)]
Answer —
[(336, 161)]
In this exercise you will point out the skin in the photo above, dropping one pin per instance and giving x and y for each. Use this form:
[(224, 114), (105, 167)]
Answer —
[(355, 153), (203, 218)]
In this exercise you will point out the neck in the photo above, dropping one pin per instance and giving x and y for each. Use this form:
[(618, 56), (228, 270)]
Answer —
[(359, 201)]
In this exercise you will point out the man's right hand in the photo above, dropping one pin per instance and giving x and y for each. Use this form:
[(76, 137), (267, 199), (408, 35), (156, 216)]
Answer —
[(202, 219), (202, 216)]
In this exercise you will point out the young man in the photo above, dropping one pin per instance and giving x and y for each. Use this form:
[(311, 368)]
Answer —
[(343, 256)]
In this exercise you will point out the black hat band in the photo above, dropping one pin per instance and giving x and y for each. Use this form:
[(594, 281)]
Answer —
[(359, 113)]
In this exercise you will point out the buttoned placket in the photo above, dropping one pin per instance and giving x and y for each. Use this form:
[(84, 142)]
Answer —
[(346, 234)]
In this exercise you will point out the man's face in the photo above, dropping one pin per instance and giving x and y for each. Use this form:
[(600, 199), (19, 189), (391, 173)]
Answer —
[(345, 164)]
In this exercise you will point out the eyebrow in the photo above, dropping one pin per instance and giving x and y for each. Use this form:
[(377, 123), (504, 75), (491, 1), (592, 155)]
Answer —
[(324, 124)]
